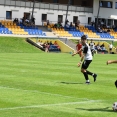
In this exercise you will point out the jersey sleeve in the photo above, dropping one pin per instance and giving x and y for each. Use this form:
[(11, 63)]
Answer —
[(85, 49)]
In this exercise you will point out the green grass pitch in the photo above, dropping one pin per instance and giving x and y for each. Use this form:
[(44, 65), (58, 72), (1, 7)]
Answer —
[(37, 84)]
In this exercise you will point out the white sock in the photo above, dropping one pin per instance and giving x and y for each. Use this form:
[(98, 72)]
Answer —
[(87, 81)]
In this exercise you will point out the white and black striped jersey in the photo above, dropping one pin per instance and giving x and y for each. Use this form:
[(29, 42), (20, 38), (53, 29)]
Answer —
[(87, 51)]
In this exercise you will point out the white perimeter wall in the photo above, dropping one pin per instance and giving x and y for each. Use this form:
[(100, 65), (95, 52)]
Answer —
[(104, 12), (52, 15)]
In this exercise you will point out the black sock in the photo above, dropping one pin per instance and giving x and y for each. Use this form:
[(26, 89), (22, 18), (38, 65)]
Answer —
[(86, 75), (90, 73)]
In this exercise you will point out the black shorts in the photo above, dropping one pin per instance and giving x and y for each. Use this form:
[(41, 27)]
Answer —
[(86, 64), (92, 50)]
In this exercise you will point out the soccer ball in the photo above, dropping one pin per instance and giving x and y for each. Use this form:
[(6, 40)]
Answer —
[(114, 107)]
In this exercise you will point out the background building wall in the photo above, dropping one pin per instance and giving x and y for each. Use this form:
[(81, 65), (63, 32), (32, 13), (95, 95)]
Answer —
[(52, 15), (104, 12)]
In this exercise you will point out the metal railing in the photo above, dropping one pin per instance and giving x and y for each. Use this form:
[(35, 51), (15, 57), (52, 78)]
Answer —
[(49, 6)]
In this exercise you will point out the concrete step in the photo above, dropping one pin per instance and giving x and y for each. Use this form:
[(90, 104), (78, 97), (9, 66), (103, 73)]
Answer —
[(44, 29), (50, 34), (69, 43)]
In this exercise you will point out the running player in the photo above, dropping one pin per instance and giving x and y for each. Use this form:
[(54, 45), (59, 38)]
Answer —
[(110, 62), (87, 57), (92, 47), (78, 48)]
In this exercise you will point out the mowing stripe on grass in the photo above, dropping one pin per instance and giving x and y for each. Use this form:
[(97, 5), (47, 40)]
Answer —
[(47, 105), (36, 91)]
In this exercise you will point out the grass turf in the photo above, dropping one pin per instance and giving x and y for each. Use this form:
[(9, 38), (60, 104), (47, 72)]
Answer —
[(36, 84), (16, 45), (49, 85)]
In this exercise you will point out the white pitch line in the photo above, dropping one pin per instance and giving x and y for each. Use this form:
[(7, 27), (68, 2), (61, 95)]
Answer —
[(36, 91), (48, 105)]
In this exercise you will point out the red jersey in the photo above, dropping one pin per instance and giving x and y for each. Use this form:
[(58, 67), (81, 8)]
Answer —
[(78, 46)]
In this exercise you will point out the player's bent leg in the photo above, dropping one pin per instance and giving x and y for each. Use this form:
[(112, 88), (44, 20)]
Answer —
[(83, 70), (85, 75), (92, 74)]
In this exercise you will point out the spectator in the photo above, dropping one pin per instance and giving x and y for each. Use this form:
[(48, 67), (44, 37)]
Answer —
[(103, 48), (67, 25), (55, 25), (92, 23), (21, 21), (55, 43), (40, 44), (99, 30), (47, 47), (59, 25), (66, 22), (33, 21), (71, 25), (92, 47), (16, 21), (108, 30), (48, 23), (98, 48), (77, 24), (50, 43)]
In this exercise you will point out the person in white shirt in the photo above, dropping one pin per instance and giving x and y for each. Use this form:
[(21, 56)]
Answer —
[(110, 47), (87, 57), (92, 47)]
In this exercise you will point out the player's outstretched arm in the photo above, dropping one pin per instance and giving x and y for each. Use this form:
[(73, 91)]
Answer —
[(111, 61), (76, 52)]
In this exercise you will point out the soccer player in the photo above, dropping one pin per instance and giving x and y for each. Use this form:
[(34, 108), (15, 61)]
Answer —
[(110, 48), (92, 47), (78, 48), (87, 57), (110, 62)]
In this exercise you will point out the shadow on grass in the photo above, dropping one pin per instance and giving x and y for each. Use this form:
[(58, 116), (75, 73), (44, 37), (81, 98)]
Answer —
[(97, 109), (71, 83)]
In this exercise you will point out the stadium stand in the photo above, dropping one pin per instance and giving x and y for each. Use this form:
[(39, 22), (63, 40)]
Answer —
[(9, 27), (4, 30), (90, 31), (104, 34), (86, 31), (32, 30), (12, 27), (61, 32)]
